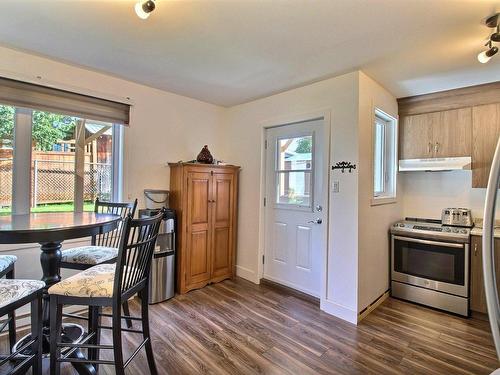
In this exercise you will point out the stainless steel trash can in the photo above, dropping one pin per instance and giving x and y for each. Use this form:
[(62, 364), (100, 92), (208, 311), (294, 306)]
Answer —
[(162, 277)]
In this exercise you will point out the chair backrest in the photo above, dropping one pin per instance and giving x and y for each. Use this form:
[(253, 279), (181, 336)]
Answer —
[(112, 239), (135, 252)]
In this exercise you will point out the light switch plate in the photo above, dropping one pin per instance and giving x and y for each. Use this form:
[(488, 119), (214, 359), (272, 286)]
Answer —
[(336, 186)]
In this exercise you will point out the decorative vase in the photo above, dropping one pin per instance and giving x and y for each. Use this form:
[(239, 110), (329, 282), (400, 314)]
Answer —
[(205, 156)]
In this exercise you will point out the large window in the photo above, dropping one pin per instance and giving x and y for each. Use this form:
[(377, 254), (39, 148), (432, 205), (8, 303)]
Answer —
[(70, 161), (384, 158)]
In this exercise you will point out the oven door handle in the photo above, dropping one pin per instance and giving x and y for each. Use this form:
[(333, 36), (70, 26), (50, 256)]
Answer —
[(427, 242)]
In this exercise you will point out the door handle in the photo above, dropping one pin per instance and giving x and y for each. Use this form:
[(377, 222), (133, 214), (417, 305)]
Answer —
[(475, 249), (317, 221)]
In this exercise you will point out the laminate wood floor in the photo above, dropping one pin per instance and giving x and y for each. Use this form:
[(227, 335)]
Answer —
[(236, 327)]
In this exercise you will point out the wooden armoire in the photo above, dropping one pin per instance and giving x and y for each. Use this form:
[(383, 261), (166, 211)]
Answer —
[(205, 200)]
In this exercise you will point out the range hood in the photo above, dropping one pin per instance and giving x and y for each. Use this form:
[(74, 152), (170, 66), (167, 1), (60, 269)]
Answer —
[(435, 164)]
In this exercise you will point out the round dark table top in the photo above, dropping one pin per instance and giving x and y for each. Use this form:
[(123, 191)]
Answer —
[(54, 227)]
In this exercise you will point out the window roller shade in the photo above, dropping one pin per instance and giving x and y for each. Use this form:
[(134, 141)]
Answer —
[(28, 95)]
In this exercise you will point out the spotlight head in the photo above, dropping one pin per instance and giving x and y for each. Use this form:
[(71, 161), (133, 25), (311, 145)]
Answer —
[(485, 56), (144, 8), (495, 37), (493, 20)]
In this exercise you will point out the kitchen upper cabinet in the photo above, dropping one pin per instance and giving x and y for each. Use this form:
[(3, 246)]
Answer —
[(485, 131), (416, 136), (477, 294), (452, 133), (204, 198), (436, 135)]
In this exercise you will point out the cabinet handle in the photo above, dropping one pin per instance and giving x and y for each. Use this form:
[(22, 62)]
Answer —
[(436, 148), (429, 145), (475, 249)]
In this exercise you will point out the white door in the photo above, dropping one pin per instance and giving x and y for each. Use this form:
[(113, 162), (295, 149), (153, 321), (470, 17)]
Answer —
[(296, 204)]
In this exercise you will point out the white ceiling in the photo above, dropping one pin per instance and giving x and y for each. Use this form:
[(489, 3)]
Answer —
[(231, 51)]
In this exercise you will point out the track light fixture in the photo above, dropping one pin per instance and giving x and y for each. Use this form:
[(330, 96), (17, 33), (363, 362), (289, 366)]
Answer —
[(485, 56), (144, 8)]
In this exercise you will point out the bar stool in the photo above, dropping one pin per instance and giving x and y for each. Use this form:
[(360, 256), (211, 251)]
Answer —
[(103, 248), (13, 295), (7, 270), (109, 285)]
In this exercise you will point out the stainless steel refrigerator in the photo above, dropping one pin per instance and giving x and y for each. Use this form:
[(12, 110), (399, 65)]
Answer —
[(490, 284)]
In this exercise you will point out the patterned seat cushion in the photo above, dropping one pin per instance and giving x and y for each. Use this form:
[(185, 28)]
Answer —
[(12, 290), (96, 281), (6, 261), (90, 255)]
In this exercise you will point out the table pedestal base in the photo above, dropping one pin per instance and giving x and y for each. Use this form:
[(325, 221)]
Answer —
[(72, 333)]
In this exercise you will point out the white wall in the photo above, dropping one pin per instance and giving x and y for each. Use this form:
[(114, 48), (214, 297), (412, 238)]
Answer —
[(164, 127), (244, 142), (425, 193), (374, 221)]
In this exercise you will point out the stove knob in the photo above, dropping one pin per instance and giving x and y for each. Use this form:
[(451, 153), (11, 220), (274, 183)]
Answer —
[(401, 225), (455, 230), (447, 229), (464, 231)]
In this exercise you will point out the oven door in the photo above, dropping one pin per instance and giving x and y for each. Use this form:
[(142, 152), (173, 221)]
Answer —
[(442, 266)]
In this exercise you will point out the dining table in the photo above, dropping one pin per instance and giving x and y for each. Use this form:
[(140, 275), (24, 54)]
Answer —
[(50, 230)]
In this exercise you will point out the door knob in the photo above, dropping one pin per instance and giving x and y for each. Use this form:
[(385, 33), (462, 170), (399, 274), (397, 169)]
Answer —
[(317, 221)]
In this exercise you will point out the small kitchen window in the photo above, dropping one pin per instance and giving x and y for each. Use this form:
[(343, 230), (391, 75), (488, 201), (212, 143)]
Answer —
[(384, 158)]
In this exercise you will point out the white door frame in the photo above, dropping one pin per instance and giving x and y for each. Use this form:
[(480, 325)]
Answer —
[(326, 114)]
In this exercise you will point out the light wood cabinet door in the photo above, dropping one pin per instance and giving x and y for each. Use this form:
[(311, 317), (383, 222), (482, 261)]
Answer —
[(477, 296), (452, 133), (198, 230), (416, 139), (485, 132), (222, 218), (477, 293)]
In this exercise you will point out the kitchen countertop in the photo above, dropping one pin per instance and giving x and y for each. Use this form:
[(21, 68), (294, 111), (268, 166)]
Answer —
[(477, 230)]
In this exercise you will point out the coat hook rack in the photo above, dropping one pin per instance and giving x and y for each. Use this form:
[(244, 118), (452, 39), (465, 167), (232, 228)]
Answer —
[(343, 165)]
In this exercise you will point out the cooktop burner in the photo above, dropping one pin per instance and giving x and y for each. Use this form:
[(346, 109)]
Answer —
[(430, 228)]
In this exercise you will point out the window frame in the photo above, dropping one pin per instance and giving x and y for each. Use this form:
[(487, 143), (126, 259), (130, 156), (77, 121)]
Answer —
[(389, 157), (21, 182)]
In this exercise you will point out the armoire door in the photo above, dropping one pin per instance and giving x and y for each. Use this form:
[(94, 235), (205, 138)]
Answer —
[(222, 219), (199, 192)]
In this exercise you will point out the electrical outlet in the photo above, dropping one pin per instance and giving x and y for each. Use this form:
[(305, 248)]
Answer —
[(336, 186)]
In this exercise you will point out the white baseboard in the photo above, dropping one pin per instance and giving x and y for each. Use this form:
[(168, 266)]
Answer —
[(339, 311), (247, 274)]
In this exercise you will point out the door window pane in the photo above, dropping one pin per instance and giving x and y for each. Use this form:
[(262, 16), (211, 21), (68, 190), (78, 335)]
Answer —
[(294, 188), (295, 153), (293, 170), (6, 157)]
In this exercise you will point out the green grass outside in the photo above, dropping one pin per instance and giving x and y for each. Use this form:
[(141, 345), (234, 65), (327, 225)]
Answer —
[(54, 207)]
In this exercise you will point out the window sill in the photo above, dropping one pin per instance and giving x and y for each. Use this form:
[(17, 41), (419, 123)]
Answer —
[(380, 201)]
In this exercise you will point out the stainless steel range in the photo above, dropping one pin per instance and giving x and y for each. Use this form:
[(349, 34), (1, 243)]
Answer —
[(430, 264)]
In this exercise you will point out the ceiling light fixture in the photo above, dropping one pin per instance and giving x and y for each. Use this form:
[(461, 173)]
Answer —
[(485, 56), (495, 37), (144, 8)]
